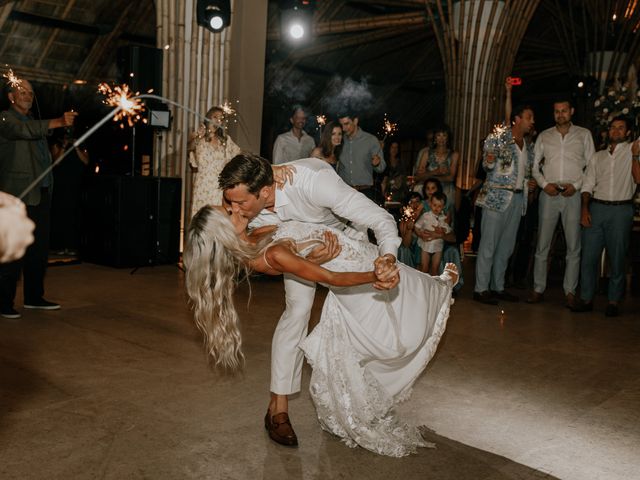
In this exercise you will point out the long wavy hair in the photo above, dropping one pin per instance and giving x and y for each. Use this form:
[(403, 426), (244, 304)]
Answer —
[(326, 146), (215, 259)]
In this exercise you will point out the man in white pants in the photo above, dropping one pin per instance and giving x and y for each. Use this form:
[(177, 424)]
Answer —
[(561, 156), (316, 195)]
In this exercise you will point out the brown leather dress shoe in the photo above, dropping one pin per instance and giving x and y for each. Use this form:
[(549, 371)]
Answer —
[(571, 300), (280, 430), (535, 297)]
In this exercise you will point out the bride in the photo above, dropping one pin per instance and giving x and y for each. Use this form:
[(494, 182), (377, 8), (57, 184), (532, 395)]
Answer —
[(369, 346)]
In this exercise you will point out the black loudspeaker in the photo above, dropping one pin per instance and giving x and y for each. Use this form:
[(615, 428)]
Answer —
[(140, 68), (130, 221)]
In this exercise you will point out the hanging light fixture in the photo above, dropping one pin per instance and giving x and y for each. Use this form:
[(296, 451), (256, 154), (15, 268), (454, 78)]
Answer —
[(214, 15)]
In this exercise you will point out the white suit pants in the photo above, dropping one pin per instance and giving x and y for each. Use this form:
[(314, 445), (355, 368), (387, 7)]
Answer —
[(286, 356)]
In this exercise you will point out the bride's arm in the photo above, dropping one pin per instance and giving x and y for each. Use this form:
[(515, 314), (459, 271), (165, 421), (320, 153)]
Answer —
[(283, 260)]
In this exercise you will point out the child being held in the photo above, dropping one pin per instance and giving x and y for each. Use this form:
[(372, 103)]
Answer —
[(428, 222)]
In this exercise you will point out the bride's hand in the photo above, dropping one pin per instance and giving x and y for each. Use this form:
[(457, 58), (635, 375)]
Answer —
[(329, 250), (387, 272), (283, 174)]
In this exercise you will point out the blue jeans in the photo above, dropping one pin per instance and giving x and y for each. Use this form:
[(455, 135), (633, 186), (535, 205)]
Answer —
[(610, 229), (499, 231)]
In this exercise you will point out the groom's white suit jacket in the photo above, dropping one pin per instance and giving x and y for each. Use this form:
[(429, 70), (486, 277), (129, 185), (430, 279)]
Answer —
[(319, 195)]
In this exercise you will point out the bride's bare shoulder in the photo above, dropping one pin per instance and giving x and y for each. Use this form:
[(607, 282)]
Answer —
[(259, 232)]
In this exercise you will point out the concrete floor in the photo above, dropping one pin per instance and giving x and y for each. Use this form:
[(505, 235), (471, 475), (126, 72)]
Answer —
[(115, 386)]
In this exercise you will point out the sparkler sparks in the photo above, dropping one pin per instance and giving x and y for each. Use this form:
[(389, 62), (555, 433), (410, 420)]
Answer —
[(388, 128), (12, 79), (321, 120), (407, 213), (120, 96)]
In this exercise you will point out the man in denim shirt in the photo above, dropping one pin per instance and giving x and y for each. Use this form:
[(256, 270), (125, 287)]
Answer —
[(361, 155)]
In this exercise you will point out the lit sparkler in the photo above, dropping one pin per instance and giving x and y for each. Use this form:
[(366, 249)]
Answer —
[(321, 120), (131, 107), (228, 109), (389, 128), (12, 79), (407, 213), (497, 140)]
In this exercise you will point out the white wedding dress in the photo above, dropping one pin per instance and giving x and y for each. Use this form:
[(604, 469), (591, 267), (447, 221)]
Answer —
[(370, 346)]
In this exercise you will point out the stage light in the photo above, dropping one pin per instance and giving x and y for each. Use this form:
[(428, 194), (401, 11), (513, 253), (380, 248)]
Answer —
[(580, 84), (215, 15), (296, 31), (296, 18)]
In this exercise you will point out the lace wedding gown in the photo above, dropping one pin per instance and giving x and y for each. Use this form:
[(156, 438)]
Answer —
[(370, 346)]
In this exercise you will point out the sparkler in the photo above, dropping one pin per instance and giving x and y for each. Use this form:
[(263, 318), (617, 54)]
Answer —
[(126, 102), (407, 213), (497, 140), (228, 109), (130, 105), (12, 79), (389, 128)]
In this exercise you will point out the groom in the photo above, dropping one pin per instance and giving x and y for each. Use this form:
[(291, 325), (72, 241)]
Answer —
[(317, 195)]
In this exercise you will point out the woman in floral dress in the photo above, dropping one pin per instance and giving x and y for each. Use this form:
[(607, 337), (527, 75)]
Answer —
[(209, 151)]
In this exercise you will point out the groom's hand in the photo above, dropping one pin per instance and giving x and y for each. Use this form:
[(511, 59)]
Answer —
[(386, 272), (283, 174), (327, 251)]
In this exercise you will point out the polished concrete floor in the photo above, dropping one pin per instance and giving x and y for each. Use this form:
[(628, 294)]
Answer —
[(115, 386)]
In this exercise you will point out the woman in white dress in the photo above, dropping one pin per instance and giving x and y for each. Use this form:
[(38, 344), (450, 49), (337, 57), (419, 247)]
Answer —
[(369, 346), (210, 150)]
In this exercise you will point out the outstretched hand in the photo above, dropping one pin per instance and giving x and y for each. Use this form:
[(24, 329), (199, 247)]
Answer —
[(329, 250), (386, 272), (283, 174)]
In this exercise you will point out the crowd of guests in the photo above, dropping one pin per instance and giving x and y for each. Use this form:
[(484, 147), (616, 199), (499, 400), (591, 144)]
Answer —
[(525, 187)]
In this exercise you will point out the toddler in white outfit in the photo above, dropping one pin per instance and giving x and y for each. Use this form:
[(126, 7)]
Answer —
[(432, 249)]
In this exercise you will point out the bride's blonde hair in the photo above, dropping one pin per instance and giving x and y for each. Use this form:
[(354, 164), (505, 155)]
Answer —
[(215, 258)]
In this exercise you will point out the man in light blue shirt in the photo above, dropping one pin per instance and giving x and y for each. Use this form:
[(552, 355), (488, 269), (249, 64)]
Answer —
[(361, 155)]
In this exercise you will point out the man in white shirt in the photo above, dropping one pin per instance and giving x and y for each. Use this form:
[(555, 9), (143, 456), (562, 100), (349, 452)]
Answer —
[(295, 143), (561, 156), (607, 214), (317, 195)]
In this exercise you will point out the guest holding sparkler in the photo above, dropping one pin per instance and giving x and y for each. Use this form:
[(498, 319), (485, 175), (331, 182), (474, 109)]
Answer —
[(210, 149), (25, 155), (508, 161), (330, 144), (361, 156)]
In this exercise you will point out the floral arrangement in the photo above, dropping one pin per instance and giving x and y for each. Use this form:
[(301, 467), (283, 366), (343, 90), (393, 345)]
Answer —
[(618, 99)]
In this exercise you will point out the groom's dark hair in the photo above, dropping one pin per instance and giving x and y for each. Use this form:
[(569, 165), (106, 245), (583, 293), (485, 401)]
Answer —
[(251, 170)]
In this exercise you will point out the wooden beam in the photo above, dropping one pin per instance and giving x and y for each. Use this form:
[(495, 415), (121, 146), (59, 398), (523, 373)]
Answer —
[(392, 3), (5, 10), (42, 75), (54, 34), (352, 41), (101, 46), (359, 24)]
